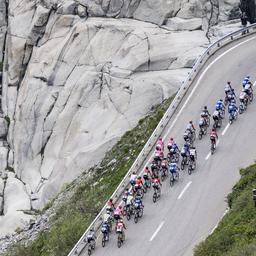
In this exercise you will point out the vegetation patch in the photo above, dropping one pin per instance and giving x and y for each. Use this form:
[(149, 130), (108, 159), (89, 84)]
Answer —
[(90, 195), (236, 233)]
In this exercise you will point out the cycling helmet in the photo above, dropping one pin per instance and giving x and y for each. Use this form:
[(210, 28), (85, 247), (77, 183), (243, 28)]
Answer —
[(228, 82), (120, 206), (139, 178), (121, 220), (92, 229), (221, 100), (213, 130), (111, 200), (191, 122), (205, 107)]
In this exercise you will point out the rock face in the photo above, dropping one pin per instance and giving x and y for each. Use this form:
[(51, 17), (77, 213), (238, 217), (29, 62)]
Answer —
[(77, 75)]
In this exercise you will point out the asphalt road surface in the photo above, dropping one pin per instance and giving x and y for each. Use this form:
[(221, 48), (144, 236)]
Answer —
[(187, 212)]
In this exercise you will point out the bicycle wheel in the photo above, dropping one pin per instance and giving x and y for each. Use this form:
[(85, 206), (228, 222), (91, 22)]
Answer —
[(136, 217), (154, 197), (182, 165), (89, 250), (200, 135), (103, 241), (119, 242), (189, 169), (171, 180)]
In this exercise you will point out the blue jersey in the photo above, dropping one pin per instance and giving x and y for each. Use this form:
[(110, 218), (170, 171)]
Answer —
[(172, 167), (232, 108), (137, 202), (219, 105)]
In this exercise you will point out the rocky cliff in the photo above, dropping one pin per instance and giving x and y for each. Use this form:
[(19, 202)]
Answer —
[(77, 75)]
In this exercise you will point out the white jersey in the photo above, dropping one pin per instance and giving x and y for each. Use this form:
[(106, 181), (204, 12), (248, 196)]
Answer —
[(247, 86), (242, 95), (227, 88), (192, 152), (215, 113), (133, 177), (129, 200), (106, 217)]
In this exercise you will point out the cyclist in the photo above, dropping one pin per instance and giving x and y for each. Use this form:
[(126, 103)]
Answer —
[(158, 155), (246, 81), (248, 88), (228, 88), (173, 169), (205, 113), (147, 174), (110, 205), (174, 149), (129, 199), (133, 178), (107, 216), (105, 228), (160, 144), (154, 167), (91, 236), (232, 108), (118, 212), (192, 154), (202, 122), (190, 127), (243, 97), (156, 182), (171, 142), (138, 201), (138, 184), (220, 108), (213, 137), (120, 226)]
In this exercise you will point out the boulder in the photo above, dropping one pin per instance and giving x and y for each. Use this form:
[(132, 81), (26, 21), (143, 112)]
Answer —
[(178, 24)]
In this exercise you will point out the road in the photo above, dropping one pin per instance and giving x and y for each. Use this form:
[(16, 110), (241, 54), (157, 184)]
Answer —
[(189, 211)]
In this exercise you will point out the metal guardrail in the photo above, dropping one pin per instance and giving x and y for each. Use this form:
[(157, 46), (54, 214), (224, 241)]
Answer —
[(136, 167)]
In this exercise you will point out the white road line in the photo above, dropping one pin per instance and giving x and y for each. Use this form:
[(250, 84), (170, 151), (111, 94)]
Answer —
[(207, 157), (209, 154), (225, 130), (254, 83), (184, 190), (195, 87), (156, 232)]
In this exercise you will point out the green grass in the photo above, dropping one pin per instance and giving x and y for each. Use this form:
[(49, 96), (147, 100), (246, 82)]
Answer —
[(75, 215), (236, 233)]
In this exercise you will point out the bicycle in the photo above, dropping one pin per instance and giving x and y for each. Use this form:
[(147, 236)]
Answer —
[(174, 177), (183, 162), (213, 146), (120, 239), (163, 173), (138, 213), (129, 212), (105, 238), (91, 246), (191, 166), (202, 131), (232, 116), (156, 194)]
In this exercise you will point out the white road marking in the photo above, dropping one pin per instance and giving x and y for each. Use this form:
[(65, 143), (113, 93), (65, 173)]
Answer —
[(156, 232), (254, 84), (184, 190), (209, 154), (225, 130), (207, 157)]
